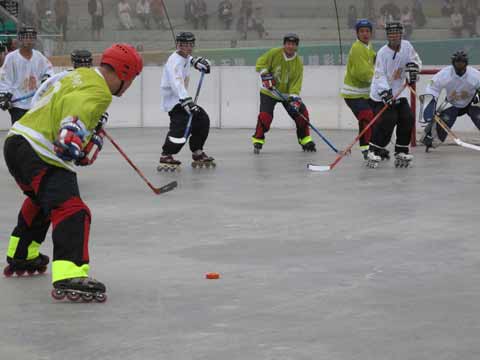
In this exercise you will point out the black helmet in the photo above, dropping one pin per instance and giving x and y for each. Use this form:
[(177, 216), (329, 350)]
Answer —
[(27, 32), (459, 57), (81, 58), (394, 27), (184, 37), (291, 37)]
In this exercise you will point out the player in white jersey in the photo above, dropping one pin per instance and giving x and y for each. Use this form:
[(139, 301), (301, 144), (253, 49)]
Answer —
[(462, 85), (79, 58), (22, 73), (179, 105), (396, 63)]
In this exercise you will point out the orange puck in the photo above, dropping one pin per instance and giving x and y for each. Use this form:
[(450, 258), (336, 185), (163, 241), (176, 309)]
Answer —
[(212, 275)]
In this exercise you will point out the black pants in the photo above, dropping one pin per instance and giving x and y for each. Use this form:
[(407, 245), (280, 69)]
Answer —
[(178, 124), (16, 114), (52, 197), (362, 109), (265, 117), (400, 115)]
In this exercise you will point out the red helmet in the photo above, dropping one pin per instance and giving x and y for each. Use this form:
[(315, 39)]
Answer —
[(124, 59)]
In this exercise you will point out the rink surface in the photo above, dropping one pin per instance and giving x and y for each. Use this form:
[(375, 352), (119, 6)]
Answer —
[(352, 264)]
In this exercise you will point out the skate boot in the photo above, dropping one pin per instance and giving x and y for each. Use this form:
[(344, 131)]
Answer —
[(403, 159), (257, 147), (365, 154), (201, 160), (372, 160), (73, 289), (427, 140), (168, 163), (309, 147), (384, 154), (21, 266)]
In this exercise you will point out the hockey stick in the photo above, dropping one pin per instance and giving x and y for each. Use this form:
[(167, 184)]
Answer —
[(183, 139), (285, 100), (169, 22), (313, 167), (21, 98), (170, 186), (450, 132)]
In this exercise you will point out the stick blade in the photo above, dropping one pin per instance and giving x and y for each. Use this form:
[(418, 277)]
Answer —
[(318, 168), (467, 145), (166, 188), (181, 140)]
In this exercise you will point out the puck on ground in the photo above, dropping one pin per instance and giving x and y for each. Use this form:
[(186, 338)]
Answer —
[(212, 276)]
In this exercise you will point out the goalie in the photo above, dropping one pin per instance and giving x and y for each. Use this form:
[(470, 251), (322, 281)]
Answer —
[(462, 85)]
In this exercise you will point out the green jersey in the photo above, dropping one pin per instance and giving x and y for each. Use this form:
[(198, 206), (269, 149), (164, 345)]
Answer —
[(360, 69), (82, 93), (288, 72)]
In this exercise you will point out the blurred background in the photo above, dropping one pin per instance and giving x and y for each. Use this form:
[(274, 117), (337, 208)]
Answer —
[(235, 32)]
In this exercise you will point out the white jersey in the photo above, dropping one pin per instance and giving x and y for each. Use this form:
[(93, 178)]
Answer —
[(21, 77), (460, 89), (175, 79), (390, 69), (48, 84)]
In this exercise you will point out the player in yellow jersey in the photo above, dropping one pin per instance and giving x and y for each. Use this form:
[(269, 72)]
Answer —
[(60, 131), (282, 69)]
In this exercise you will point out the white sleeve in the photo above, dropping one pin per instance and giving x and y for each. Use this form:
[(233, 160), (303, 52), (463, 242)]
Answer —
[(381, 76), (6, 75), (47, 67), (177, 82), (436, 85), (413, 57)]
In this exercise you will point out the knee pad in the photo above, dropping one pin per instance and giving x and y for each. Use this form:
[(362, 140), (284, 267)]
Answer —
[(365, 115), (265, 119), (29, 211), (71, 207)]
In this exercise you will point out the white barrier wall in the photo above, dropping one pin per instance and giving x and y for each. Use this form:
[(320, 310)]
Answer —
[(230, 96)]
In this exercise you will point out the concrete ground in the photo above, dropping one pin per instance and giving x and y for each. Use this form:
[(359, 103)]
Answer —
[(352, 264)]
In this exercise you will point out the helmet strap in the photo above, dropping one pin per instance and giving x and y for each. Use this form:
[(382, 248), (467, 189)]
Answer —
[(120, 88)]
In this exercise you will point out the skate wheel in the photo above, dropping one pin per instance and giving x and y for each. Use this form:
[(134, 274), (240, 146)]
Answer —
[(256, 151), (7, 271), (20, 272), (73, 296), (194, 165), (207, 166), (42, 270), (58, 294), (101, 298), (87, 297), (30, 272)]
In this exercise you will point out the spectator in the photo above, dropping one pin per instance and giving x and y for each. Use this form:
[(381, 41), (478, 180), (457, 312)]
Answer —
[(225, 13), (41, 6), (407, 21), (470, 19), (12, 44), (157, 12), (124, 11), (352, 17), (199, 13), (3, 52), (447, 8), (456, 23), (61, 14), (48, 26), (368, 10), (257, 21), (391, 11), (246, 11), (96, 10), (418, 15), (143, 12)]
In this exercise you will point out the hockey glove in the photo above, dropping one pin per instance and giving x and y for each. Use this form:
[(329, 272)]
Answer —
[(5, 100), (91, 150), (68, 145), (268, 81), (387, 97), (294, 103), (201, 64), (476, 99), (189, 106), (412, 70)]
